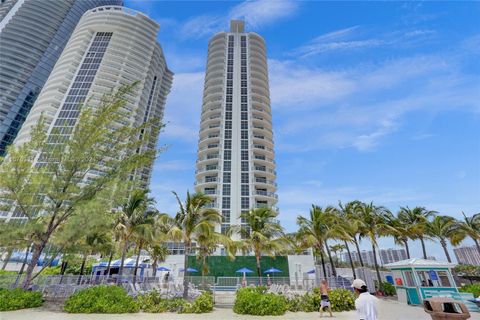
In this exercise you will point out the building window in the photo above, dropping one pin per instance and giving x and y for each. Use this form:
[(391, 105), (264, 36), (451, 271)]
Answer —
[(228, 144), (244, 155), (245, 191), (244, 165), (244, 145), (227, 154), (226, 202), (244, 177), (227, 165), (226, 177), (244, 134), (245, 203), (226, 189)]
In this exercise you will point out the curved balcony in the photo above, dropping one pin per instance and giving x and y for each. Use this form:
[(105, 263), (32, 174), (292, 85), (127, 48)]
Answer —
[(209, 169), (258, 75), (263, 181), (213, 93), (217, 74), (262, 121), (262, 131), (262, 71), (214, 147), (206, 129), (261, 139), (204, 182), (262, 149), (213, 137), (264, 170), (211, 119), (208, 158), (263, 159), (214, 82), (265, 194), (210, 111), (215, 63)]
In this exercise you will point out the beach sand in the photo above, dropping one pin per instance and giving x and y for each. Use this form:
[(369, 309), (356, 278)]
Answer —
[(388, 310)]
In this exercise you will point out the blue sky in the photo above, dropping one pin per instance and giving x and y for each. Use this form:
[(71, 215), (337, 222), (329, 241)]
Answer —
[(375, 101)]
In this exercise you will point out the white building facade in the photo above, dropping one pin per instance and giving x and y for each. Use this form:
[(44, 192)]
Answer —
[(111, 46), (467, 255), (33, 34), (235, 163)]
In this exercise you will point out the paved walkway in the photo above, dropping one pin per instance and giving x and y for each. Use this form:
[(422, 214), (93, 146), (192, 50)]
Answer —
[(389, 310)]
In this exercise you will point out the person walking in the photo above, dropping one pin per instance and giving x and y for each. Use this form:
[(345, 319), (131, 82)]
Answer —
[(324, 299), (366, 304)]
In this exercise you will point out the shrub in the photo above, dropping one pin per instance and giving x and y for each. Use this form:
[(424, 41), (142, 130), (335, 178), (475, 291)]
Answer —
[(19, 299), (202, 304), (152, 302), (389, 289), (51, 271), (256, 301), (342, 300), (101, 299), (472, 288)]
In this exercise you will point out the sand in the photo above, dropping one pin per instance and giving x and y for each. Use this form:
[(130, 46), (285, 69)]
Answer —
[(388, 310)]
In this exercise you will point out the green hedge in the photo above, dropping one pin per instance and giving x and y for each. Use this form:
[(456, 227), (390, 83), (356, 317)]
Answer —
[(221, 266), (256, 301), (152, 302), (101, 299), (471, 288), (389, 289), (340, 300), (19, 299)]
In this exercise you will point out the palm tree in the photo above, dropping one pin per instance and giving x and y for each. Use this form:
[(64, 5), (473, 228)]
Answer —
[(263, 234), (445, 228), (192, 221), (400, 231), (336, 249), (471, 227), (351, 225), (135, 218), (416, 220), (158, 253), (312, 232), (374, 226)]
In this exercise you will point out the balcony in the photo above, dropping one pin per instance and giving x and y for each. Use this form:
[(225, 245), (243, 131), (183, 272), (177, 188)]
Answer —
[(208, 168), (265, 194), (265, 181)]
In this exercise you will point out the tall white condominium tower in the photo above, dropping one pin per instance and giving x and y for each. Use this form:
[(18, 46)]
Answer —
[(33, 34), (110, 46), (235, 162)]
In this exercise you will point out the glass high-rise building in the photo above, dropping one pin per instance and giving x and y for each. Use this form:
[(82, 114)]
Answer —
[(235, 164), (33, 34), (111, 46)]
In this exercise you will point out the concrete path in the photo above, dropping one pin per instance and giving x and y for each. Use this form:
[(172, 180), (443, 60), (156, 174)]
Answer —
[(389, 310)]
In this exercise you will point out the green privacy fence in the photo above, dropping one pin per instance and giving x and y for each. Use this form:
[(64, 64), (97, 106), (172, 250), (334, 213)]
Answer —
[(221, 266)]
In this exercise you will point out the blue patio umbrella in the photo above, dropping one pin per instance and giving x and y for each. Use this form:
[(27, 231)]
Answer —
[(189, 270), (311, 271), (244, 270), (272, 270), (163, 269)]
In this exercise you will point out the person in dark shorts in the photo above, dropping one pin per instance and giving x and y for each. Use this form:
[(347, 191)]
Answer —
[(324, 299)]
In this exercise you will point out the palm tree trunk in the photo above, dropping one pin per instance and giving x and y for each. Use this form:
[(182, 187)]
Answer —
[(122, 261), (82, 268), (358, 251), (334, 271), (323, 265), (136, 263), (350, 259), (424, 250), (185, 267), (154, 266), (7, 258), (259, 272), (444, 246), (107, 273), (379, 278), (405, 243)]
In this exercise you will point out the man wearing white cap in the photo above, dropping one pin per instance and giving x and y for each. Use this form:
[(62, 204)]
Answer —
[(366, 304)]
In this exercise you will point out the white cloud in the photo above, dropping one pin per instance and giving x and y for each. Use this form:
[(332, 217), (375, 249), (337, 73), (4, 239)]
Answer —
[(255, 13), (182, 111), (262, 12)]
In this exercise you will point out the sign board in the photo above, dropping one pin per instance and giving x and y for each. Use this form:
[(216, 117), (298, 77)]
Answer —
[(433, 275)]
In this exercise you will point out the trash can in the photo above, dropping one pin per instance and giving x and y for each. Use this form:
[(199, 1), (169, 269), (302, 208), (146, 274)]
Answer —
[(445, 309)]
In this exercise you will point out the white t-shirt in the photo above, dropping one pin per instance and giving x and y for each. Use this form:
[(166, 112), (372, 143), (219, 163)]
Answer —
[(366, 306)]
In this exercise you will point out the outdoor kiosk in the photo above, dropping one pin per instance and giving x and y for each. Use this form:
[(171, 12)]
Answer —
[(418, 279)]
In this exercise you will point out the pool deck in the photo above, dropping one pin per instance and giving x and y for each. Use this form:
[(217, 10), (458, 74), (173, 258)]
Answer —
[(388, 310)]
